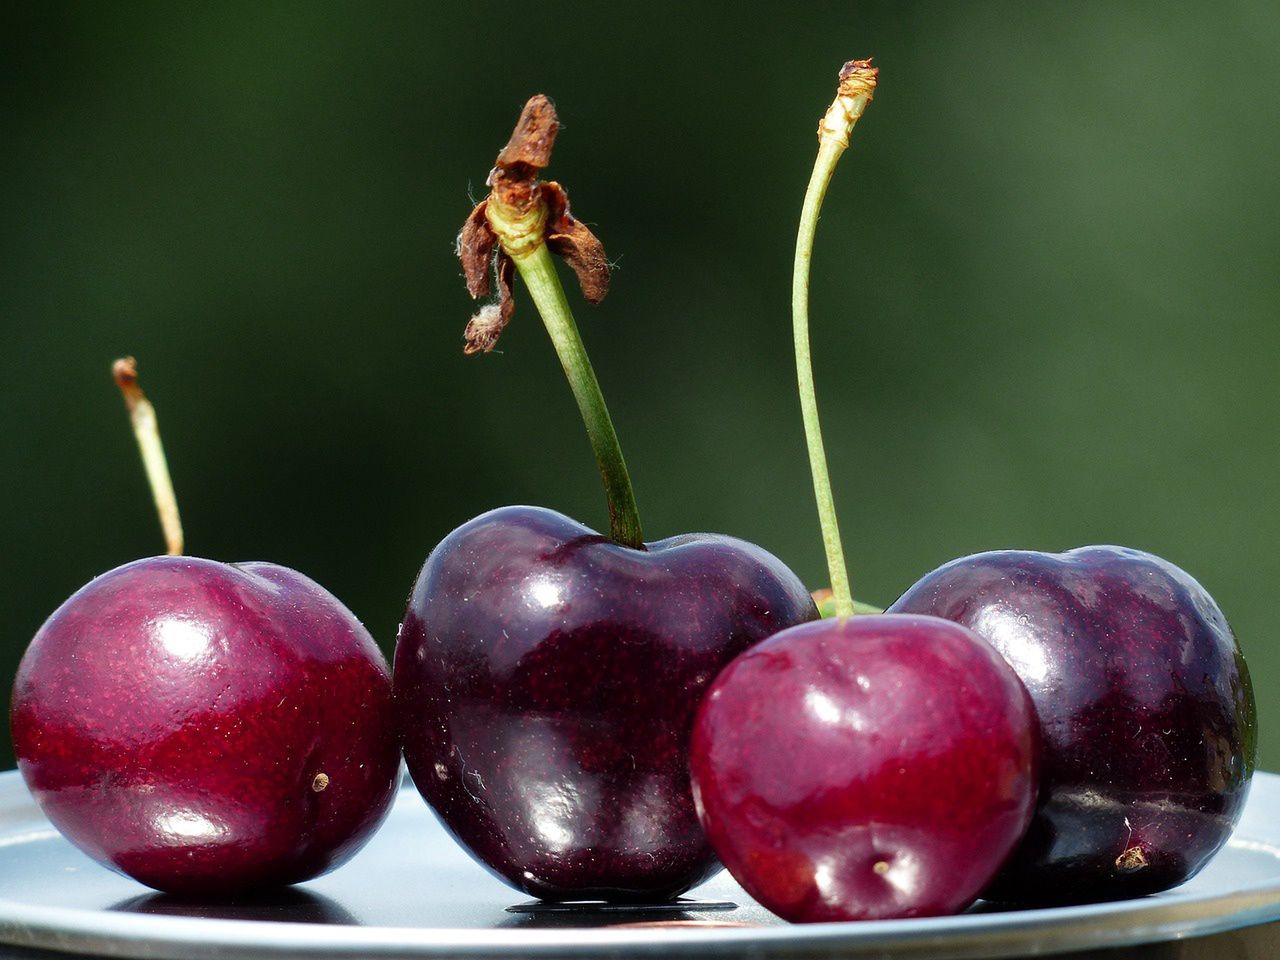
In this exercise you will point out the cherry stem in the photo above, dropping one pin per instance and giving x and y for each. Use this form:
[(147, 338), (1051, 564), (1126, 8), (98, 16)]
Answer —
[(857, 84), (539, 274), (142, 416), (826, 604)]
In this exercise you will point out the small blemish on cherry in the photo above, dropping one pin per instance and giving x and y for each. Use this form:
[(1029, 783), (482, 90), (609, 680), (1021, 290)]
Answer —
[(1131, 860)]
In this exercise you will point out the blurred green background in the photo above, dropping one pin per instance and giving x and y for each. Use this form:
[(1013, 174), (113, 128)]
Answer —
[(1045, 292)]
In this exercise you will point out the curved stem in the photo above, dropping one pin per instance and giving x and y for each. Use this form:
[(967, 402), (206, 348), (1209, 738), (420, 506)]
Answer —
[(539, 274), (142, 416), (857, 82)]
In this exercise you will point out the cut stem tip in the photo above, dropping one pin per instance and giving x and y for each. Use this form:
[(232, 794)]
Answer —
[(146, 430)]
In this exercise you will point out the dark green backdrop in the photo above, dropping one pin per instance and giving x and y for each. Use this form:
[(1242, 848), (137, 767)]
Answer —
[(1045, 292)]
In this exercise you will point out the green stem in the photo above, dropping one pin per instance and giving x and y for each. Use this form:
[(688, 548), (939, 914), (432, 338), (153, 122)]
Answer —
[(825, 166), (826, 604), (833, 137), (539, 273)]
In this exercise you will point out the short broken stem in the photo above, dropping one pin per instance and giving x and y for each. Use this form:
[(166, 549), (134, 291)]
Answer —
[(539, 274), (146, 430)]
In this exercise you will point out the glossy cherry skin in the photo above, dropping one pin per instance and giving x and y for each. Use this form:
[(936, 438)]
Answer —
[(865, 769), (1146, 713), (546, 679), (173, 718)]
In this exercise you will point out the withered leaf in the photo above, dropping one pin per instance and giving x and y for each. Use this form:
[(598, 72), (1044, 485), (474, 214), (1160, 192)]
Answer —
[(483, 329), (573, 241), (475, 249)]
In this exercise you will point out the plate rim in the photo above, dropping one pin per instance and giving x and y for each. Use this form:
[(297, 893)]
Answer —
[(1055, 929)]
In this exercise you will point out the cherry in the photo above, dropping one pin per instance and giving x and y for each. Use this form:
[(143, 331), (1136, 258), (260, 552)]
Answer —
[(205, 728), (546, 679), (1145, 707), (865, 768), (546, 675)]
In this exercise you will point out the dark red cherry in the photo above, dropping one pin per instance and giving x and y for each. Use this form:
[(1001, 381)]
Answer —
[(546, 679), (866, 768), (207, 728), (1146, 713)]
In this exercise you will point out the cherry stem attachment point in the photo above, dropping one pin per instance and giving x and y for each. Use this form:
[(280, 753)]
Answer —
[(857, 85), (142, 416)]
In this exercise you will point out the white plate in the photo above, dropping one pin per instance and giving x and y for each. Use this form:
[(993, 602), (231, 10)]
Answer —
[(414, 893)]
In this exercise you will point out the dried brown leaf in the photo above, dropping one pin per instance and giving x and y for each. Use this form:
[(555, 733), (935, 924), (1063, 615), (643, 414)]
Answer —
[(484, 329), (573, 242), (476, 242)]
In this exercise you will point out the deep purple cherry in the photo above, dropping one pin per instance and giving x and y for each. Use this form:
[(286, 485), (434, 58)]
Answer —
[(207, 728), (545, 675), (546, 680), (1145, 706), (865, 768)]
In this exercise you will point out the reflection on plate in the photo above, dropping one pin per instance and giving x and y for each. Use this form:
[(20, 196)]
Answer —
[(291, 905)]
